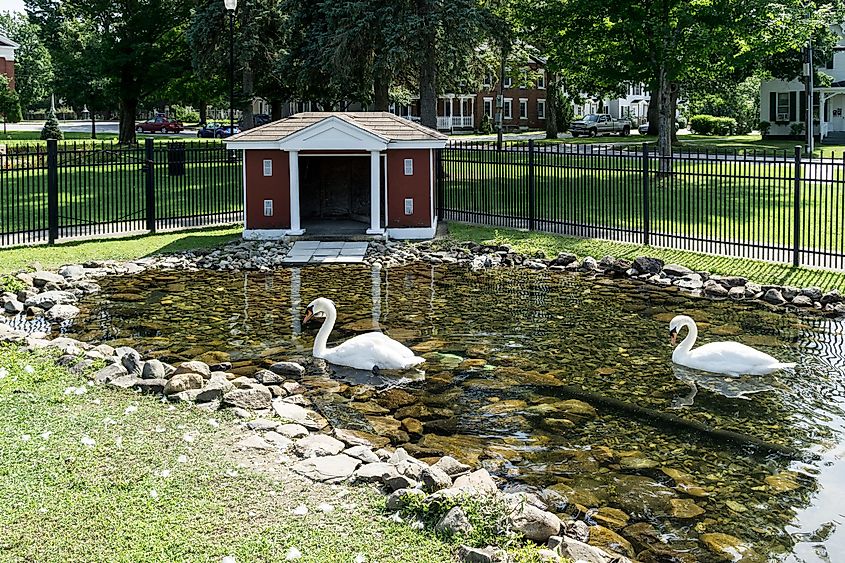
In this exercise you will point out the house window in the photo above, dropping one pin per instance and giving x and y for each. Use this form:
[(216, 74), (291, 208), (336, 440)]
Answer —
[(488, 80), (523, 80), (541, 80), (508, 82), (783, 106), (488, 107), (508, 109), (638, 89), (523, 108), (541, 109)]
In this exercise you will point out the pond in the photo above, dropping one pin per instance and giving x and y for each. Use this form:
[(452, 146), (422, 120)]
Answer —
[(554, 382)]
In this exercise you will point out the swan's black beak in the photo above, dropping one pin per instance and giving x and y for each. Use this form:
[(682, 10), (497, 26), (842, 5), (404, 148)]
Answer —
[(673, 336), (309, 314)]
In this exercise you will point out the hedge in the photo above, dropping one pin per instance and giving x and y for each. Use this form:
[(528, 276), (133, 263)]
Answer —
[(711, 125)]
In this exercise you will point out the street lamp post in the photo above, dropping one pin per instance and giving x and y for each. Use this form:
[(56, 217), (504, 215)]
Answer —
[(231, 5)]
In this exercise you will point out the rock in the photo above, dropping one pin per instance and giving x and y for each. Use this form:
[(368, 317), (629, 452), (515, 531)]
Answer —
[(293, 388), (364, 453), (563, 259), (377, 472), (395, 398), (290, 412), (254, 442), (399, 498), (241, 413), (40, 279), (609, 540), (49, 299), (281, 442), (109, 373), (318, 445), (577, 529), (689, 281), (62, 312), (802, 301), (715, 289), (730, 281), (131, 360), (153, 369), (412, 426), (435, 479), (454, 522), (727, 547), (813, 293), (535, 524), (187, 396), (774, 297), (737, 293), (752, 290), (253, 399), (267, 377), (292, 431), (684, 508), (215, 389), (400, 482), (151, 385), (329, 469), (619, 266), (789, 292), (125, 381), (479, 481), (262, 425), (452, 467), (289, 369), (489, 554), (183, 382), (611, 517), (832, 296), (13, 307), (676, 270), (647, 265), (589, 264), (72, 271), (194, 367), (783, 482), (576, 550)]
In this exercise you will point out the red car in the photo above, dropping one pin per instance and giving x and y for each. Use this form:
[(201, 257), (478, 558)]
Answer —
[(159, 124)]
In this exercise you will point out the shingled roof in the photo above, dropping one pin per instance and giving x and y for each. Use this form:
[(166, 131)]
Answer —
[(382, 124)]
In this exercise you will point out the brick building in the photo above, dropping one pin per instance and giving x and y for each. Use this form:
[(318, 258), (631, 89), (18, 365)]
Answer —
[(7, 59)]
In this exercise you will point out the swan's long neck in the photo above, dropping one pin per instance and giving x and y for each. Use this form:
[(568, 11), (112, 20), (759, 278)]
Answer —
[(687, 343), (323, 335)]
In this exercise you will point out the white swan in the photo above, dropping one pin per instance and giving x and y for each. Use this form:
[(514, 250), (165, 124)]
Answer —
[(366, 351), (730, 358)]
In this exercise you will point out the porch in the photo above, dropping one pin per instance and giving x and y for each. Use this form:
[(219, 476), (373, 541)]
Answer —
[(454, 112)]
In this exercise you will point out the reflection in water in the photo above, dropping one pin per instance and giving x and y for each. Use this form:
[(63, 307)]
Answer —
[(506, 350), (726, 386)]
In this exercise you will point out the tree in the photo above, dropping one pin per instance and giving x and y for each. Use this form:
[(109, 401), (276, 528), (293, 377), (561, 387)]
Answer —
[(51, 126), (10, 106), (33, 64), (133, 44)]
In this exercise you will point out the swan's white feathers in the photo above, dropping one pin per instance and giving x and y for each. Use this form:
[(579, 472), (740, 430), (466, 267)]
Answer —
[(373, 349)]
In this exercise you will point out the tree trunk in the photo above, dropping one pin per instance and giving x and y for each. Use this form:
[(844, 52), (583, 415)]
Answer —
[(552, 100), (128, 110), (665, 121), (381, 92), (93, 125), (247, 120), (203, 111), (428, 68), (673, 109), (651, 113), (275, 109)]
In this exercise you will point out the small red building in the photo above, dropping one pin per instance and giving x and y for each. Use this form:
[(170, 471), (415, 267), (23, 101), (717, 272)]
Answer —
[(7, 59), (339, 173)]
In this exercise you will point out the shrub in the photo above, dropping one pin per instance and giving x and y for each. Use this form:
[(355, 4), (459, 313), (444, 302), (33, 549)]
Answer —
[(796, 129), (682, 122), (51, 127), (184, 113), (764, 127), (11, 284), (486, 124), (710, 125)]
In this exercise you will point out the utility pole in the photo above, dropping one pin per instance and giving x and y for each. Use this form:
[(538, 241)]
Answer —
[(809, 71), (500, 103)]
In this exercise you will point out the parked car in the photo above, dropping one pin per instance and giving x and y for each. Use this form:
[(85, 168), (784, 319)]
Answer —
[(643, 128), (225, 131), (207, 130), (159, 124), (261, 119), (599, 124)]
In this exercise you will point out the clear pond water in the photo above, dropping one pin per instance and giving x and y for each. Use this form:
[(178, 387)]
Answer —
[(510, 355)]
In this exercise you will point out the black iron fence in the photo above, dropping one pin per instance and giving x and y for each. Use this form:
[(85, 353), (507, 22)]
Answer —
[(766, 205), (77, 190)]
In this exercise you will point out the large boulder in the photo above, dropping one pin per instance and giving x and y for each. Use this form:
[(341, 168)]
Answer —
[(40, 279), (62, 312), (48, 299), (194, 367), (215, 389), (535, 524), (452, 467), (648, 265), (252, 398), (318, 445), (182, 382), (479, 481), (329, 469), (290, 412), (378, 472), (454, 522), (153, 369), (435, 479)]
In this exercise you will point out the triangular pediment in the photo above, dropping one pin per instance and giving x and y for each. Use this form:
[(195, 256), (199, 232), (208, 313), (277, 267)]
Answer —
[(334, 133)]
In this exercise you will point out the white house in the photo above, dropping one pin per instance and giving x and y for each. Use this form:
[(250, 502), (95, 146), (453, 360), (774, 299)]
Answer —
[(783, 103), (633, 105)]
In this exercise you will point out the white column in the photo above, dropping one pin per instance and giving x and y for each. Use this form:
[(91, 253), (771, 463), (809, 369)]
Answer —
[(375, 194), (461, 101), (293, 166)]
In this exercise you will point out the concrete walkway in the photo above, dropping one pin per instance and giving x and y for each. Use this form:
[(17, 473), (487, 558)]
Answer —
[(316, 252)]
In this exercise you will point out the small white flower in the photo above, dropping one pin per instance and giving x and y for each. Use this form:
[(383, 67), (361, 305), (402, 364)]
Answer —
[(325, 507), (300, 510), (417, 525), (96, 401), (130, 409), (3, 373), (182, 459), (228, 559), (395, 518), (109, 420), (171, 407), (159, 429), (189, 436), (26, 438), (293, 553), (154, 493), (42, 510), (70, 390), (231, 473), (81, 390), (87, 441), (360, 559), (164, 473), (46, 435), (180, 426), (118, 441), (29, 369), (213, 423), (90, 384)]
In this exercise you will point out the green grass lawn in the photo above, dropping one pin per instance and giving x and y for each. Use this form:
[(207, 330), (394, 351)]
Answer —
[(34, 138), (724, 200), (131, 496), (551, 245), (51, 257)]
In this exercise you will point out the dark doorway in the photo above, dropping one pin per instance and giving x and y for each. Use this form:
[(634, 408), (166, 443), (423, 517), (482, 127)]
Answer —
[(334, 188)]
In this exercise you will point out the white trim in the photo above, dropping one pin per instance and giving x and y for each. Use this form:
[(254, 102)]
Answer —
[(334, 133), (413, 232), (277, 145), (267, 234), (431, 186), (438, 144), (239, 145), (293, 190), (375, 194), (386, 193), (359, 153), (9, 42)]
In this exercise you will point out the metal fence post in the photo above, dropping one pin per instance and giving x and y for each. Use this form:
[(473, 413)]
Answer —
[(796, 213), (150, 190), (531, 181), (440, 179), (52, 190), (646, 198)]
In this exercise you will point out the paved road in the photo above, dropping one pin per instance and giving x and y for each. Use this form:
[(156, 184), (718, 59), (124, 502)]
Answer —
[(85, 127)]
